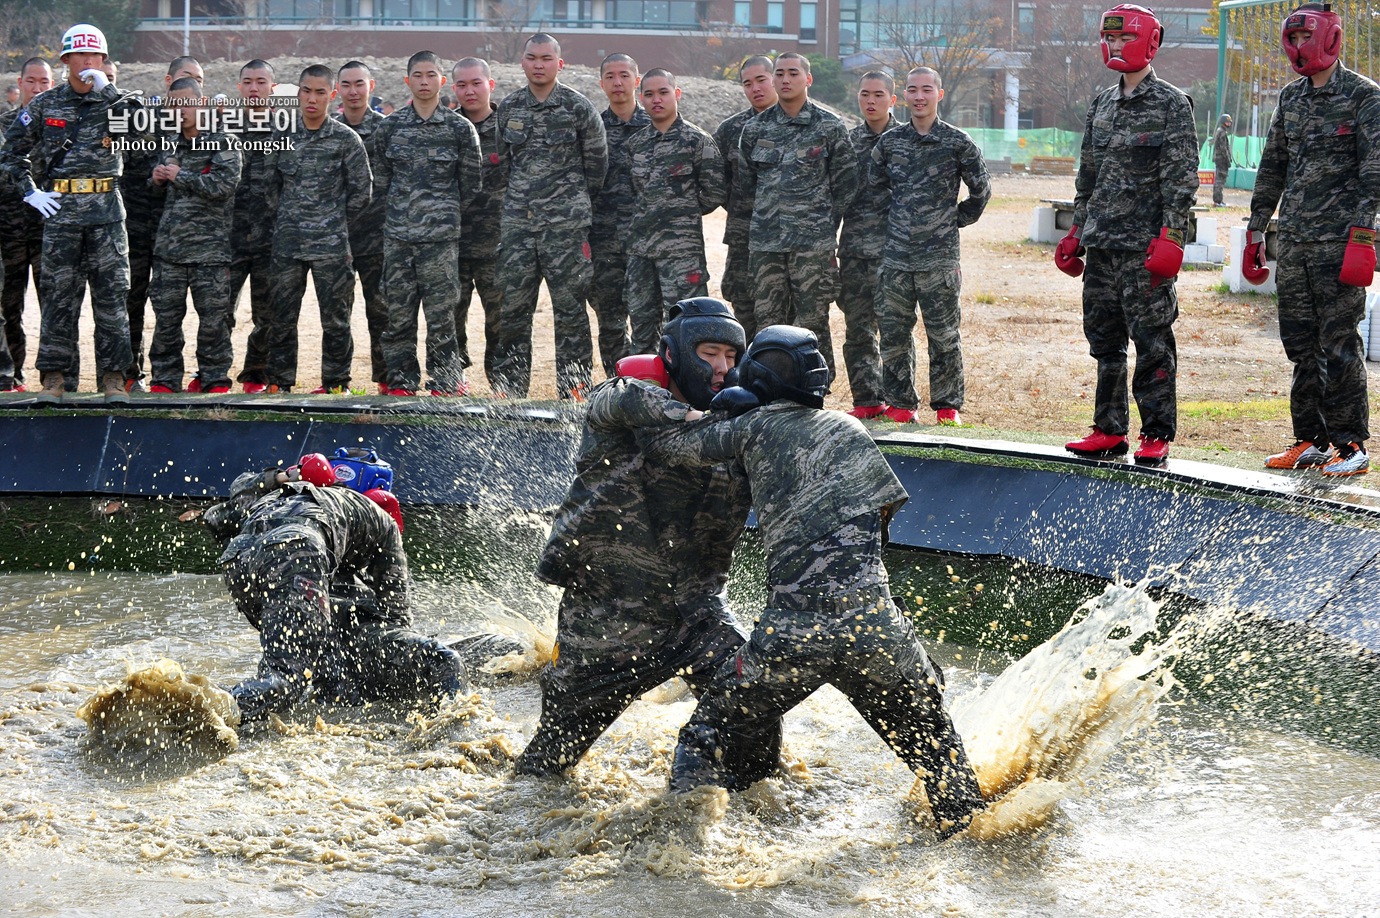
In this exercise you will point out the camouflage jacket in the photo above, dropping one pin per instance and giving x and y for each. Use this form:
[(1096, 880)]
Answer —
[(1221, 148), (428, 171), (1138, 170), (143, 207), (17, 219), (319, 182), (252, 230), (197, 205), (554, 154), (361, 539), (479, 231), (366, 231), (633, 528), (677, 176), (921, 173), (1321, 161), (801, 174), (864, 225), (811, 471), (32, 143), (613, 205), (739, 205)]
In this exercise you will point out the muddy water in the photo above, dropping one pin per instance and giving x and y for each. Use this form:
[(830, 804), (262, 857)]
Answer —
[(367, 813)]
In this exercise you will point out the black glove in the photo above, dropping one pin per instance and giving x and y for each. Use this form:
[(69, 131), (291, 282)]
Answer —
[(735, 400)]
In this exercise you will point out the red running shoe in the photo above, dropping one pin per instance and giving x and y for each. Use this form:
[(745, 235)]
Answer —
[(157, 389), (1151, 451), (1098, 445), (195, 385), (900, 415), (218, 390), (404, 393), (863, 412), (254, 388), (948, 417)]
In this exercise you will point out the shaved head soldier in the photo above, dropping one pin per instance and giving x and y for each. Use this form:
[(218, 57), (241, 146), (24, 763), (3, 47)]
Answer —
[(251, 236)]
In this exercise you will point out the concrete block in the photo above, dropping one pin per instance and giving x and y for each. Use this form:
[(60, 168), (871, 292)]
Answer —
[(1217, 254), (1207, 231), (1042, 228), (1195, 254)]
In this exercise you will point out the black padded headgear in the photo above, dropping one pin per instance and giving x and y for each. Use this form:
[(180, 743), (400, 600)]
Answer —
[(691, 323), (809, 380)]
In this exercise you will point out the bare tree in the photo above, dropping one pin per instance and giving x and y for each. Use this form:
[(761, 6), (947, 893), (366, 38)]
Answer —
[(956, 41), (1065, 69), (507, 23), (28, 28), (715, 51)]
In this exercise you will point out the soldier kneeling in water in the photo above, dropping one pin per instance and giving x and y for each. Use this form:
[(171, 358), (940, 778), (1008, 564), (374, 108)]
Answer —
[(314, 559), (824, 495)]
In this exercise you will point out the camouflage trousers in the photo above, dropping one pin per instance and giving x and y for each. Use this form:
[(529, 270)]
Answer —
[(426, 275), (608, 297), (73, 257), (860, 643), (934, 295), (737, 288), (858, 302), (1219, 183), (140, 275), (562, 258), (316, 644), (1318, 318), (609, 653), (334, 282), (210, 289), (255, 267), (657, 284), (1119, 304), (479, 275), (796, 287), (21, 246), (369, 269)]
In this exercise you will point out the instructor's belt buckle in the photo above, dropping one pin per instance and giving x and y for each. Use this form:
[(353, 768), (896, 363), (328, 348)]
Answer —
[(83, 185)]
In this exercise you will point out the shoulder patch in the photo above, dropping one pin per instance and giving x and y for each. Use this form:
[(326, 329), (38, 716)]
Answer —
[(1292, 117), (515, 125), (25, 118)]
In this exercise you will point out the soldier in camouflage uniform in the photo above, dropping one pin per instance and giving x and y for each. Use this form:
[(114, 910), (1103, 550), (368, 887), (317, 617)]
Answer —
[(321, 573), (613, 208), (66, 141), (1321, 165), (251, 236), (824, 495), (553, 148), (756, 77), (1221, 159), (678, 176), (21, 238), (428, 172), (366, 233), (318, 184), (479, 227), (643, 552), (921, 165), (800, 169), (196, 181), (860, 250), (1137, 180)]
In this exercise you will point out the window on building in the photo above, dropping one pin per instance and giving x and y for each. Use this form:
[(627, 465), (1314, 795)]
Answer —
[(776, 17), (742, 13), (1025, 21), (634, 14), (807, 22)]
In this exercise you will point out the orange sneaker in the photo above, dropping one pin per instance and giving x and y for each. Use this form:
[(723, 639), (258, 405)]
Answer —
[(1302, 454)]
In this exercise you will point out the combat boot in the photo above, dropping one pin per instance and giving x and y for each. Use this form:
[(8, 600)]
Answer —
[(53, 387), (113, 388)]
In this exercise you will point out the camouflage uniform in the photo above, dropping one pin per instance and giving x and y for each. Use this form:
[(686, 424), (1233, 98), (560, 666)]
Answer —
[(1221, 160), (21, 242), (736, 286), (860, 261), (801, 174), (428, 172), (677, 176), (1138, 172), (554, 153), (193, 251), (143, 213), (613, 208), (317, 186), (251, 242), (643, 552), (1321, 164), (920, 260), (322, 575), (823, 493), (366, 249), (84, 242), (479, 232)]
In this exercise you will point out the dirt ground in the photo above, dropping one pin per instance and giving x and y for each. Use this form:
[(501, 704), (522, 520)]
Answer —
[(1029, 375)]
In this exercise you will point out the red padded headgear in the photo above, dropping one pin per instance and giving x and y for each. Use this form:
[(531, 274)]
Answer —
[(316, 469), (1137, 54), (388, 502), (1323, 46), (645, 366)]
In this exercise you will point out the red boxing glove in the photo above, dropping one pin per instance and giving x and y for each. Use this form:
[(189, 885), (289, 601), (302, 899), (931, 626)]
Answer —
[(1166, 254), (388, 502), (1067, 251), (316, 469), (646, 367), (1253, 259), (1358, 264)]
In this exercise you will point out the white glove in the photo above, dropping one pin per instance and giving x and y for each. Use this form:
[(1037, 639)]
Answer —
[(96, 77), (45, 202)]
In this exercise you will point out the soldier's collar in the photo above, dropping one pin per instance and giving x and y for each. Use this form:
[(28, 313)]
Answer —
[(1141, 88), (804, 116), (549, 101)]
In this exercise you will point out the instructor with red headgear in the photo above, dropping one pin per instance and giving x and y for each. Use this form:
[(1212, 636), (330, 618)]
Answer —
[(1137, 181)]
